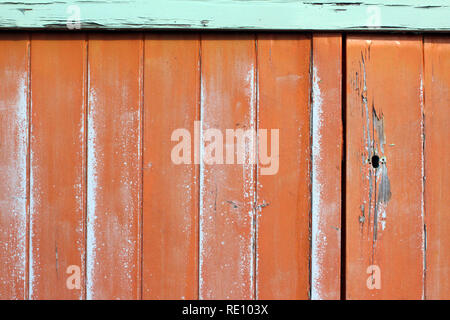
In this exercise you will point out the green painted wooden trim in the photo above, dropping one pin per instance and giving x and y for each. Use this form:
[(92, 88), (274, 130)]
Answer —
[(378, 15)]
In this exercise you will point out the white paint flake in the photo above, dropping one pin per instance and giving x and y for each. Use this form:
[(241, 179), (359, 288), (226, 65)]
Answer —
[(201, 187), (91, 244), (318, 237)]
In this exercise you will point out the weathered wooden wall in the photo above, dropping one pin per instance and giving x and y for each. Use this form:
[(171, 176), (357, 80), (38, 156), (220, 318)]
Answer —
[(87, 178)]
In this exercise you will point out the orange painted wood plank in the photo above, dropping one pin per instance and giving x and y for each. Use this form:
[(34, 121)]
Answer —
[(327, 150), (114, 166), (384, 218), (227, 191), (437, 135), (14, 78), (57, 167), (170, 195), (284, 202)]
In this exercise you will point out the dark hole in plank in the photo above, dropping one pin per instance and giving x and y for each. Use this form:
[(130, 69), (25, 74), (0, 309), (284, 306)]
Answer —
[(375, 161)]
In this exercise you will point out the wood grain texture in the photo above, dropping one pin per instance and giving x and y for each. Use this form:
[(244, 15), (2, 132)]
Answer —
[(114, 172), (327, 147), (170, 222), (284, 201), (385, 204), (437, 175), (57, 170), (14, 79), (375, 15), (87, 125), (227, 191)]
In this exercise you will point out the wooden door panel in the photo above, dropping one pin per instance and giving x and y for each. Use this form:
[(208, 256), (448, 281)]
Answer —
[(57, 166), (114, 166), (14, 156), (170, 221), (437, 175), (327, 152), (283, 189), (384, 189), (227, 191)]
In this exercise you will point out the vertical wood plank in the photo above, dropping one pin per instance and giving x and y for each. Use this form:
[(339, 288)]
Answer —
[(57, 167), (437, 135), (327, 147), (170, 222), (384, 204), (14, 75), (114, 166), (283, 245), (227, 191)]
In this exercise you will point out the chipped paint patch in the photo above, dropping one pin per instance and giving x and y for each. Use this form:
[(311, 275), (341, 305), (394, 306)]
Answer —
[(229, 14), (227, 210), (13, 203), (319, 239), (422, 166), (92, 185), (202, 191), (31, 276), (383, 194), (34, 199)]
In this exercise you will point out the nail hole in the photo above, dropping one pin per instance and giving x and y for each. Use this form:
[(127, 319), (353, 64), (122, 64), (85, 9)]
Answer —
[(375, 161)]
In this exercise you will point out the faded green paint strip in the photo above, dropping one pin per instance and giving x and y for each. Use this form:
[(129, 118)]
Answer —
[(399, 15)]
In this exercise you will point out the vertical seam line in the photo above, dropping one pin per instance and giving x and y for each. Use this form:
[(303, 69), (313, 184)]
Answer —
[(424, 231), (256, 157), (27, 294), (141, 191), (86, 114), (200, 169), (343, 244), (311, 161)]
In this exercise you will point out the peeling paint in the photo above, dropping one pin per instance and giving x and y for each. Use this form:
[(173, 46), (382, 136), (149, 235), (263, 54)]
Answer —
[(375, 163), (202, 192), (424, 235), (383, 194), (405, 15), (92, 185), (318, 237), (13, 165)]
